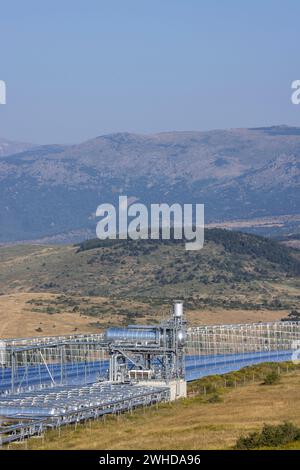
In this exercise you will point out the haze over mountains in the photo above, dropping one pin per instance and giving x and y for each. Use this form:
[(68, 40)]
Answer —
[(8, 147), (54, 190)]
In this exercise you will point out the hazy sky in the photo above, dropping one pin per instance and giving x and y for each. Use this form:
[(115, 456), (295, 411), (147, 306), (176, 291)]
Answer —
[(78, 69)]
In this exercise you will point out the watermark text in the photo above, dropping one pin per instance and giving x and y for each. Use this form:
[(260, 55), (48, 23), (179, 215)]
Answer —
[(2, 92), (163, 221)]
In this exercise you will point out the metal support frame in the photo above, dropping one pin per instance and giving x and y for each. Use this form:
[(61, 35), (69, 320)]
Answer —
[(67, 374), (149, 352)]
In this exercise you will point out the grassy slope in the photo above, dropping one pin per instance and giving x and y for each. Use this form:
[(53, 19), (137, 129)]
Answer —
[(245, 268), (188, 423), (236, 277)]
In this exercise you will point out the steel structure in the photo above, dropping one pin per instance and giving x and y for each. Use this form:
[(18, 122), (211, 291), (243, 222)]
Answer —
[(242, 338), (141, 352), (149, 352), (217, 349), (45, 361), (29, 413), (49, 381)]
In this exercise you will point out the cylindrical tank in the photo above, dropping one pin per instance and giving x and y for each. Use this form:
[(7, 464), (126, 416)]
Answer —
[(131, 335), (178, 309)]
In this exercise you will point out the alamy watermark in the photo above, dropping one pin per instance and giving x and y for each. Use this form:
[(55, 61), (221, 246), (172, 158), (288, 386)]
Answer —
[(163, 221), (295, 97), (2, 92)]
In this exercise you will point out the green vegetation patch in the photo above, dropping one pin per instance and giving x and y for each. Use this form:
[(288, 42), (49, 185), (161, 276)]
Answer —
[(269, 436)]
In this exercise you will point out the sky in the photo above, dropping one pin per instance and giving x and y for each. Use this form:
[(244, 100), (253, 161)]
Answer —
[(82, 68)]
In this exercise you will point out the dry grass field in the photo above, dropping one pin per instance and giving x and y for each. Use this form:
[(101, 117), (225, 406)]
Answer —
[(25, 315), (188, 423), (17, 318)]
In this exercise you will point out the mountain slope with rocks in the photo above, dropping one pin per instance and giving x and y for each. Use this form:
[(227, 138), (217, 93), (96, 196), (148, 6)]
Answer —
[(54, 190)]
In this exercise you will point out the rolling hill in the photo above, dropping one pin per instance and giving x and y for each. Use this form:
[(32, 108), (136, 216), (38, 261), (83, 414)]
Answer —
[(133, 281)]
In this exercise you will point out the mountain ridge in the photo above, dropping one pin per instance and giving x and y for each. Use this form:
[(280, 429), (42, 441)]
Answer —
[(236, 173), (10, 147)]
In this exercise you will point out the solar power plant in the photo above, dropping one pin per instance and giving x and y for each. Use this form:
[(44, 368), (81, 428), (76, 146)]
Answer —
[(30, 413), (51, 381)]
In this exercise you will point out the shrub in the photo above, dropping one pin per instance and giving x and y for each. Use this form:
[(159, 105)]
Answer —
[(270, 436), (214, 398), (272, 378)]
